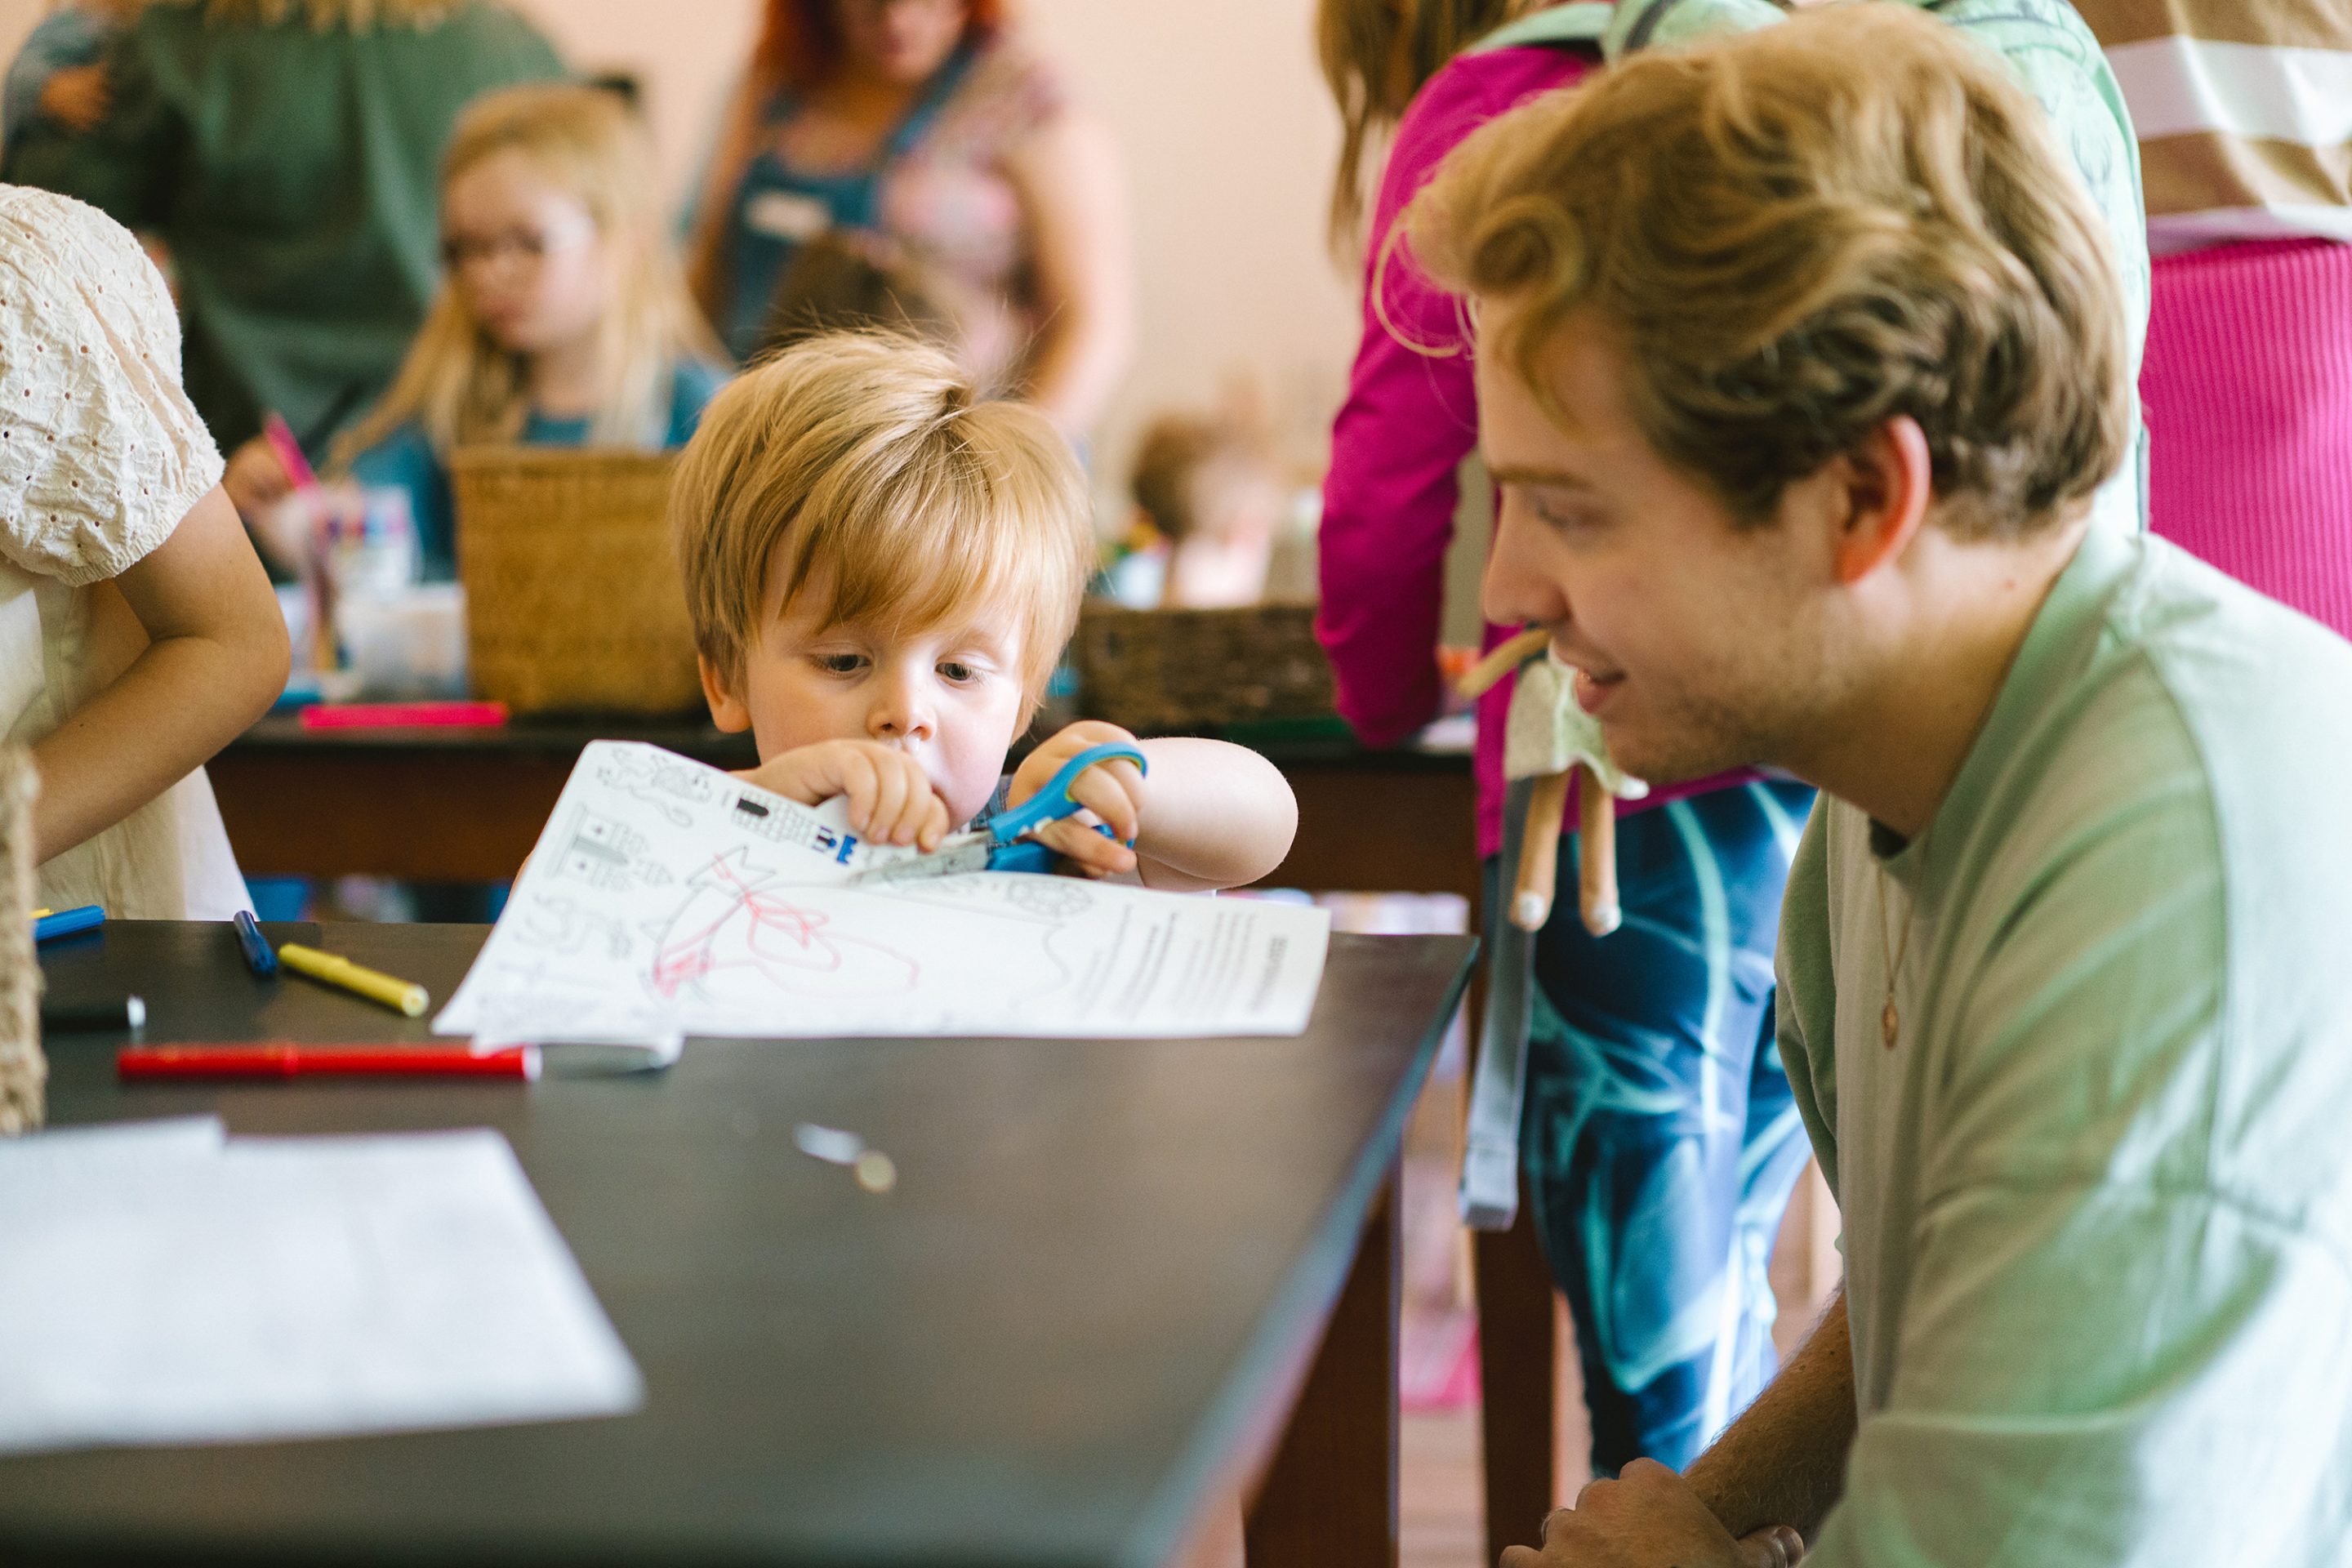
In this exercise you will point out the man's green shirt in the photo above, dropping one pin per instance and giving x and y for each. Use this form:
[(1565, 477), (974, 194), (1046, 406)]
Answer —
[(2097, 1194)]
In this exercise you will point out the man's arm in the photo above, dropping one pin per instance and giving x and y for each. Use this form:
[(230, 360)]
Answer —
[(1783, 1462)]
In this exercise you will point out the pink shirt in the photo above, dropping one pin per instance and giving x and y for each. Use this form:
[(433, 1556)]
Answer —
[(1409, 419)]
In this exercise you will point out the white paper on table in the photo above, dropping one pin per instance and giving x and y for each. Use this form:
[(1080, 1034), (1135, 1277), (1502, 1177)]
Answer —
[(156, 1290), (668, 895)]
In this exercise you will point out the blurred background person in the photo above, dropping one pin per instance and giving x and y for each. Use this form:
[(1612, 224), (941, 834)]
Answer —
[(1659, 1141), (283, 153), (927, 122), (1210, 506), (563, 319), (2244, 118), (60, 75)]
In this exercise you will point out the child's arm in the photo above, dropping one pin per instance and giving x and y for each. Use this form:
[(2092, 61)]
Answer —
[(1208, 814), (216, 660)]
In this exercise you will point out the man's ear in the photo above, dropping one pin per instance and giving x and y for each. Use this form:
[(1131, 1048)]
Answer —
[(1888, 482), (726, 709)]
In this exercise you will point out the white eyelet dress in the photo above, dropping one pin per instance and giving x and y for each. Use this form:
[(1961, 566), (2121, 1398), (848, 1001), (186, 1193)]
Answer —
[(101, 454)]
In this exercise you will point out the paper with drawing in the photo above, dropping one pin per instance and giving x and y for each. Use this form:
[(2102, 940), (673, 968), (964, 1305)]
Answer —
[(664, 895)]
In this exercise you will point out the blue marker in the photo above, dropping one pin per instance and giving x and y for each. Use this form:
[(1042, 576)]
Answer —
[(260, 956), (65, 922)]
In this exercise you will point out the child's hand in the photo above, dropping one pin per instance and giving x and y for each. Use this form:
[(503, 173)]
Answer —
[(76, 97), (1112, 792), (891, 800), (255, 478)]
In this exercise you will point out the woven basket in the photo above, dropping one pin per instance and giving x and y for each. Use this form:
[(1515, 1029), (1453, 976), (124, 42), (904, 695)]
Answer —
[(573, 603), (1179, 671)]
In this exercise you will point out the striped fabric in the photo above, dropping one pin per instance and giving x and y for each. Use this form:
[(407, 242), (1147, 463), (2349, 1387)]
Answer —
[(2247, 388), (2244, 114)]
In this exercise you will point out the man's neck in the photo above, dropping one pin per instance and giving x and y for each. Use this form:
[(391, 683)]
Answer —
[(1960, 615)]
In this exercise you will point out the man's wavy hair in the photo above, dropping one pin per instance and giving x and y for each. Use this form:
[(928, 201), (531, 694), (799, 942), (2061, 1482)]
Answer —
[(1796, 235)]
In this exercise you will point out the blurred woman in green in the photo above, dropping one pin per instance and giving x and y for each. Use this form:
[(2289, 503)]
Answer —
[(285, 155)]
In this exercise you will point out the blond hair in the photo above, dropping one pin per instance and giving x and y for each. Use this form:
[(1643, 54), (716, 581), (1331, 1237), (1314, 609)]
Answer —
[(458, 384), (1791, 248), (865, 464), (1376, 54)]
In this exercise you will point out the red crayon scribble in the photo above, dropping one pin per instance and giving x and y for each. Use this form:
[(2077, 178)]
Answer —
[(732, 924)]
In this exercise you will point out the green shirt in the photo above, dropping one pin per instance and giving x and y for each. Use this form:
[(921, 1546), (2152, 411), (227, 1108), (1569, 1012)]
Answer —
[(2097, 1196), (293, 175), (2053, 54)]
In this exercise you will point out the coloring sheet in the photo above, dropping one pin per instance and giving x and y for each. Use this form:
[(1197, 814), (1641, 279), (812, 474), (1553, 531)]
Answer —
[(667, 895)]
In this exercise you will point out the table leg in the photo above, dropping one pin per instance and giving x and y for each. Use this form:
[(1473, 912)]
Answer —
[(1516, 1345), (1330, 1494)]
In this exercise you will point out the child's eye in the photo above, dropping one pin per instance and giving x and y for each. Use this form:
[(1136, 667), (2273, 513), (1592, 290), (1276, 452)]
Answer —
[(840, 663), (958, 671)]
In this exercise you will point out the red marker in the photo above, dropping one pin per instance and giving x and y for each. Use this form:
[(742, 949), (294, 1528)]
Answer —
[(405, 716), (283, 1058)]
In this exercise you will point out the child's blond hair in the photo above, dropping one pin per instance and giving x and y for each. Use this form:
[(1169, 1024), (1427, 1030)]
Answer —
[(458, 383), (865, 466)]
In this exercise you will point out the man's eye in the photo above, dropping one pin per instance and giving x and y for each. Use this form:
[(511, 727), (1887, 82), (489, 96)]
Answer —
[(1564, 518)]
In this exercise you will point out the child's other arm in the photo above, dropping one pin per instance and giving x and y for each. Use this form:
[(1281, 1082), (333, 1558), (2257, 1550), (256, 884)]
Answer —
[(1208, 814), (216, 660)]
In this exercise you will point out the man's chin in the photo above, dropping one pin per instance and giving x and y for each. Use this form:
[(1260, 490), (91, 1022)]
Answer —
[(1662, 761)]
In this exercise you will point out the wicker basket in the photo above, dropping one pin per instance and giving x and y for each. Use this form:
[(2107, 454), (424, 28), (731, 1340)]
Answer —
[(573, 603), (1179, 671)]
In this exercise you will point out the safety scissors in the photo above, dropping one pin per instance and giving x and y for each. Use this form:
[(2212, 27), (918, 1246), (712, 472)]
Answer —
[(1001, 843)]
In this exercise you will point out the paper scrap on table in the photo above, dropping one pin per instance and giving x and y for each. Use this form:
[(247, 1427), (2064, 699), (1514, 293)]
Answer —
[(160, 1286), (668, 895)]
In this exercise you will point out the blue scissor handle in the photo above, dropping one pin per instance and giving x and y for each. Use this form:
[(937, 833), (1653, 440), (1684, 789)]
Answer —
[(1052, 802)]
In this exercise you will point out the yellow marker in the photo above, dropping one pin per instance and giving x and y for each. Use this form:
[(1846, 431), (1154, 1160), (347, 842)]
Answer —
[(333, 969), (43, 914)]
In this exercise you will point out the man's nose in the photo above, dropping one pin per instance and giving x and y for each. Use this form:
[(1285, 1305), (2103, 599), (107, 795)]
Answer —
[(1519, 586)]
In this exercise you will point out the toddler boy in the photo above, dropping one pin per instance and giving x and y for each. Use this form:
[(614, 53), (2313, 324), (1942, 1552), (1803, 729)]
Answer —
[(882, 570)]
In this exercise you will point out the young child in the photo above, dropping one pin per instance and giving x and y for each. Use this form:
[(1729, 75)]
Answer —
[(59, 74), (844, 280), (882, 570), (138, 634), (1209, 487), (564, 320)]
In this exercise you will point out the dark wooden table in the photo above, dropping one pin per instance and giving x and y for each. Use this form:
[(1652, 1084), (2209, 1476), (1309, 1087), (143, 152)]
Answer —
[(1083, 1317), (466, 805)]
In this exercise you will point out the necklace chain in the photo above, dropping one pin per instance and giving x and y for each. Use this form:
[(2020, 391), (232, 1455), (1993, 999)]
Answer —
[(1890, 1017)]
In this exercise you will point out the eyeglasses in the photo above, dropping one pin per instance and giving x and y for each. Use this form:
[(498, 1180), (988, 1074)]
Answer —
[(459, 251)]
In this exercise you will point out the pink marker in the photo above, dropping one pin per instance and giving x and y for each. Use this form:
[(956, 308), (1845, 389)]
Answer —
[(406, 715), (290, 452)]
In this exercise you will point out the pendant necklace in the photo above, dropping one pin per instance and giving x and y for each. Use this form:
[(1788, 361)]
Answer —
[(1890, 1018)]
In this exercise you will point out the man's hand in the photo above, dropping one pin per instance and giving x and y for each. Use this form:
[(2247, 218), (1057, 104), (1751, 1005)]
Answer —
[(1112, 792), (76, 97), (891, 800), (1650, 1517)]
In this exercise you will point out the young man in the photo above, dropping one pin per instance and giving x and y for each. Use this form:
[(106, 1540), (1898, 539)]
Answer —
[(1801, 359)]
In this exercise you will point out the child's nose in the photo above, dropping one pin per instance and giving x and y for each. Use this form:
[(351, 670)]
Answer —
[(901, 711)]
